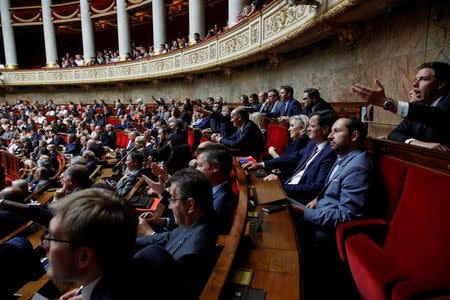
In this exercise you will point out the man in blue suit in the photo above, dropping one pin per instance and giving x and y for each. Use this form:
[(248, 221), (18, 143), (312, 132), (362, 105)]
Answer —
[(73, 146), (313, 162), (290, 107), (192, 243), (344, 198)]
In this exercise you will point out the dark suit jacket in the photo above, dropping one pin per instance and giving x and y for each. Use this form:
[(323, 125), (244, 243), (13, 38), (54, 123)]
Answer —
[(73, 148), (224, 201), (124, 186), (313, 178), (249, 140), (293, 108), (321, 105), (425, 123), (179, 158), (192, 248)]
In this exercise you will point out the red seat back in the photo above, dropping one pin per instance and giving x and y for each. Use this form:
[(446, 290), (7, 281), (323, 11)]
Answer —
[(122, 139), (393, 175), (191, 139), (276, 137), (418, 236)]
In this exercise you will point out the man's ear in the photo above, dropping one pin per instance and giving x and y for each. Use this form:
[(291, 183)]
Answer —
[(216, 167), (355, 136), (86, 257), (191, 205)]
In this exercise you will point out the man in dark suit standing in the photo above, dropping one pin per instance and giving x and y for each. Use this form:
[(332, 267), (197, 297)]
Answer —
[(247, 137), (192, 243), (427, 116), (313, 102)]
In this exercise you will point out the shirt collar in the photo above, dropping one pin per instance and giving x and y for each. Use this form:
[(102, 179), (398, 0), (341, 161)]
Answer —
[(88, 289)]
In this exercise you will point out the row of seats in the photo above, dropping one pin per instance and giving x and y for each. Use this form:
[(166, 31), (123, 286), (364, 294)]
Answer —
[(406, 254)]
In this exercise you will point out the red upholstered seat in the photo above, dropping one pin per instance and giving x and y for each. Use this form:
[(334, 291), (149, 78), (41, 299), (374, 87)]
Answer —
[(191, 139), (64, 137), (122, 139), (112, 120), (417, 244), (393, 174), (276, 137)]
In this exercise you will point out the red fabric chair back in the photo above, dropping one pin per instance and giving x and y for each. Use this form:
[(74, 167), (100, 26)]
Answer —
[(112, 120), (418, 236), (393, 175), (190, 139), (276, 137), (122, 139)]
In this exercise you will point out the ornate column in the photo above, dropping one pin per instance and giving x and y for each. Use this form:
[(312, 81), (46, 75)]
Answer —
[(159, 14), (51, 52), (123, 30), (9, 43), (196, 19), (235, 7), (87, 32)]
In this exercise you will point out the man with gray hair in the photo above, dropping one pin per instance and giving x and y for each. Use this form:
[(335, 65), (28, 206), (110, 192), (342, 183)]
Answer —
[(22, 184), (74, 179)]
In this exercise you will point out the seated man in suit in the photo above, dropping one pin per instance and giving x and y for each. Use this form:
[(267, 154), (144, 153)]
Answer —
[(216, 162), (133, 163), (426, 119), (74, 179), (91, 161), (42, 177), (313, 102), (291, 106), (313, 162), (112, 136), (73, 146), (247, 137), (192, 243), (91, 241), (344, 198)]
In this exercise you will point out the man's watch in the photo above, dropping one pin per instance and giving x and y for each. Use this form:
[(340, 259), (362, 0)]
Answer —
[(388, 104)]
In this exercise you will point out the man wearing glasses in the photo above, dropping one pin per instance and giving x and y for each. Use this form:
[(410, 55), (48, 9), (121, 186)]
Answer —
[(91, 241), (192, 243)]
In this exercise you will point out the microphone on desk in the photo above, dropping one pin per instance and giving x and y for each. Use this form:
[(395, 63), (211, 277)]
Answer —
[(116, 167)]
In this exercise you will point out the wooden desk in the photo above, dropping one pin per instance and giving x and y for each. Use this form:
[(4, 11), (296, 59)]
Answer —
[(275, 260)]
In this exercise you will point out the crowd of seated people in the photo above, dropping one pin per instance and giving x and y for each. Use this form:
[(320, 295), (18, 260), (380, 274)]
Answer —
[(325, 171)]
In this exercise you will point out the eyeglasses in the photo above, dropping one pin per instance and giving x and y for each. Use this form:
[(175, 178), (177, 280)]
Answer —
[(304, 99), (45, 239), (172, 200)]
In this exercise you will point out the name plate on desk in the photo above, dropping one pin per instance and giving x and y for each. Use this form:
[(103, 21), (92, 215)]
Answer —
[(266, 191)]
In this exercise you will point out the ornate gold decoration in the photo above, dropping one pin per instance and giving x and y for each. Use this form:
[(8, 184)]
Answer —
[(282, 19), (255, 33), (190, 78), (227, 72), (122, 58), (275, 60), (11, 67), (197, 57), (50, 65), (235, 43), (349, 34), (162, 65)]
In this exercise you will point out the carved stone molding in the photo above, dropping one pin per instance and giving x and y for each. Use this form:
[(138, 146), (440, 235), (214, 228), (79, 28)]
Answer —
[(275, 60), (349, 34)]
